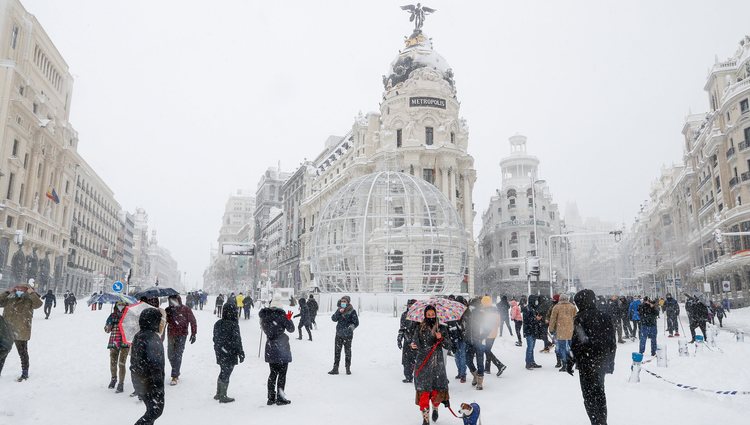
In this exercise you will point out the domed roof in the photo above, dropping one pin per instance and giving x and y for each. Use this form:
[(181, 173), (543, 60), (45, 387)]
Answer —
[(389, 232), (418, 53)]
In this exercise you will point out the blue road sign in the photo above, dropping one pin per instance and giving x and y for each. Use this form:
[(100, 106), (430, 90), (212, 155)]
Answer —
[(117, 286)]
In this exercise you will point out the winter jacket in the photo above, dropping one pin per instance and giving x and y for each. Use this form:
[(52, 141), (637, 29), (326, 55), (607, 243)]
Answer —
[(346, 322), (700, 313), (493, 318), (240, 298), (147, 355), (720, 313), (248, 303), (112, 325), (672, 307), (179, 318), (593, 344), (304, 314), (633, 310), (50, 299), (18, 312), (219, 301), (432, 375), (6, 338), (531, 326), (227, 338), (274, 323), (648, 313), (312, 307), (515, 311), (471, 417), (561, 320), (503, 306)]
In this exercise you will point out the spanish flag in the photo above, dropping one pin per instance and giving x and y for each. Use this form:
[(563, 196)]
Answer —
[(52, 195)]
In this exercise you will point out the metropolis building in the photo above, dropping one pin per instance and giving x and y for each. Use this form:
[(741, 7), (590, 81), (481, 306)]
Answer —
[(417, 131)]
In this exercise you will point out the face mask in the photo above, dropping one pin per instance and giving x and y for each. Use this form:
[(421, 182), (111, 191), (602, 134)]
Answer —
[(173, 302), (430, 321), (343, 305), (120, 307), (19, 294)]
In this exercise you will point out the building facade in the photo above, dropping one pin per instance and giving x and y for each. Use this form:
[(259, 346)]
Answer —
[(293, 193), (516, 226)]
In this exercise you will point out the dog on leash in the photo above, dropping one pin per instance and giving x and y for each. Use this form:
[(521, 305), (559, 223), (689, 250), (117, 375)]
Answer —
[(470, 414)]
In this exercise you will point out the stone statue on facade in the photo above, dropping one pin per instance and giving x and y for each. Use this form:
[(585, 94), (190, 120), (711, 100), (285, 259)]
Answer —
[(35, 206), (417, 14), (32, 265), (18, 265)]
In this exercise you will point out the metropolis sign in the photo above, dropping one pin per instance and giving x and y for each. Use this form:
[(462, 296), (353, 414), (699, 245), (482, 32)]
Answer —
[(431, 102)]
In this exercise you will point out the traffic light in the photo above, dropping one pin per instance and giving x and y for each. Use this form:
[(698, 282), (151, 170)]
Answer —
[(532, 265), (718, 236), (554, 276)]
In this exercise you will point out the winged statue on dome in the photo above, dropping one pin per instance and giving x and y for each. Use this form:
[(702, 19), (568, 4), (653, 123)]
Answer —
[(418, 14)]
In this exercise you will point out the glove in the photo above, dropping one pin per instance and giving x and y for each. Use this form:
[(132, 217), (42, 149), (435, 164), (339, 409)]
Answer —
[(447, 404), (289, 315), (242, 356), (400, 342), (192, 339)]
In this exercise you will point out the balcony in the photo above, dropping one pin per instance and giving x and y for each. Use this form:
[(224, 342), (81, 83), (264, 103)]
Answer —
[(744, 145), (733, 181), (704, 181), (513, 241), (705, 207), (730, 152), (745, 176)]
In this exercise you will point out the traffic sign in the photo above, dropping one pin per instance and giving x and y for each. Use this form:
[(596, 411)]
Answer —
[(726, 286), (117, 286)]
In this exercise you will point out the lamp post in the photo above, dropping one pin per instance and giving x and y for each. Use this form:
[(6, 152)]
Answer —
[(536, 235)]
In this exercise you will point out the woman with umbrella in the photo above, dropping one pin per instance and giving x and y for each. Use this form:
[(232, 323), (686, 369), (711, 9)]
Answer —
[(430, 378), (118, 348)]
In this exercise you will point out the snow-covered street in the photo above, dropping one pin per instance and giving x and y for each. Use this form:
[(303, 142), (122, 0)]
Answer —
[(70, 371)]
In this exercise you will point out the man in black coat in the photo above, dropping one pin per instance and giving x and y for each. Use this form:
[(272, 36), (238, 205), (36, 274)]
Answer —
[(275, 323), (228, 350), (312, 307), (593, 346), (49, 302), (672, 308), (698, 316), (346, 321), (304, 318), (408, 355), (147, 365)]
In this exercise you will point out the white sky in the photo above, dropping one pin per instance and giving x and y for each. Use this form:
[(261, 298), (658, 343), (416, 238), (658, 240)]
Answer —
[(179, 103)]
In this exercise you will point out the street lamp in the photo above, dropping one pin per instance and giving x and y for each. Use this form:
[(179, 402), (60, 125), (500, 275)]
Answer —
[(536, 235)]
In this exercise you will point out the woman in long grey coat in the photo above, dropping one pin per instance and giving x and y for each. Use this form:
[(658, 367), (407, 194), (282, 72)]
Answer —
[(430, 378)]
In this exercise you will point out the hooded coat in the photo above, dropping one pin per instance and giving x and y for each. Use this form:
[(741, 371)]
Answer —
[(515, 311), (304, 314), (594, 343), (274, 323), (179, 317), (672, 307), (147, 355), (227, 338), (19, 312), (561, 320), (347, 321), (429, 374)]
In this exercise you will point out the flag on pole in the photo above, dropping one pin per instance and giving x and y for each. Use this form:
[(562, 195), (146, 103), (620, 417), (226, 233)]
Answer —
[(52, 195)]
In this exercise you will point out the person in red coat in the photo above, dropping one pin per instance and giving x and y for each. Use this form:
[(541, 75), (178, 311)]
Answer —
[(179, 317)]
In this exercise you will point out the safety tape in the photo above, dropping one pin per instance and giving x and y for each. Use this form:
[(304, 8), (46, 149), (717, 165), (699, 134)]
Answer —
[(693, 388)]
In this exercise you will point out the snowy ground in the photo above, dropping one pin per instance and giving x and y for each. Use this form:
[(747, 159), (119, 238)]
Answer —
[(70, 373)]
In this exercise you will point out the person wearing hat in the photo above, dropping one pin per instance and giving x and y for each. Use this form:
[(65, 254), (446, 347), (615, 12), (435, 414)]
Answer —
[(346, 321), (275, 323), (147, 365), (19, 304), (648, 311), (50, 301), (672, 308), (403, 342), (594, 347), (228, 350), (118, 349)]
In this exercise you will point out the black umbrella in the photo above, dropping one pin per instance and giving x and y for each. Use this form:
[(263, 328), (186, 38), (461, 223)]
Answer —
[(155, 292)]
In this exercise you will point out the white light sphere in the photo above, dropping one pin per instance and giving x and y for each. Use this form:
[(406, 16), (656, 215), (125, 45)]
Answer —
[(389, 232)]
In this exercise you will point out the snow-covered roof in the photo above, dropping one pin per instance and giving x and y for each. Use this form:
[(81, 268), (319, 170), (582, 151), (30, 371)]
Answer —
[(418, 53)]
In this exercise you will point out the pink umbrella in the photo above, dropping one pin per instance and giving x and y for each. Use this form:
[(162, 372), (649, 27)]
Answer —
[(129, 322), (447, 310)]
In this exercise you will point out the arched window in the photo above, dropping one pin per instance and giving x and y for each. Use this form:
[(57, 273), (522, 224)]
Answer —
[(511, 193), (514, 254)]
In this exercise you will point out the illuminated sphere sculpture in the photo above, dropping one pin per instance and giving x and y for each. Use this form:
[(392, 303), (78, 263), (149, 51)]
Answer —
[(389, 232)]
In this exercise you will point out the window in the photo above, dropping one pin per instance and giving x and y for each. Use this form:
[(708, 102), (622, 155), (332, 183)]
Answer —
[(14, 37), (744, 106), (394, 266), (453, 137), (11, 179), (25, 160), (429, 175), (9, 222), (433, 269), (35, 108), (398, 220), (399, 135), (428, 136), (514, 254), (514, 271), (14, 152), (747, 135)]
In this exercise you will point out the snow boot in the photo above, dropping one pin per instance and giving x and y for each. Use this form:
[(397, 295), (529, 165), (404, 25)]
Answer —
[(281, 399), (519, 344), (434, 414), (112, 383), (223, 386), (474, 381), (218, 390), (425, 417), (120, 388), (502, 369), (463, 380), (480, 382), (334, 371), (175, 380), (24, 376), (559, 362), (348, 370)]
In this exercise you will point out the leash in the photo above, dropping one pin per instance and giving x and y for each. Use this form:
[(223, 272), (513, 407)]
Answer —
[(427, 358)]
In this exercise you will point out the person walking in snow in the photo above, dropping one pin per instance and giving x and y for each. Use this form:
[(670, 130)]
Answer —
[(275, 324), (312, 307), (219, 305), (517, 317), (698, 317), (430, 377), (720, 314), (18, 305), (304, 319), (593, 346), (532, 328), (118, 349), (493, 323), (179, 317), (240, 301), (672, 309), (504, 307), (147, 365), (50, 301), (403, 342), (228, 350), (561, 325), (634, 316), (72, 302), (346, 322), (247, 305)]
